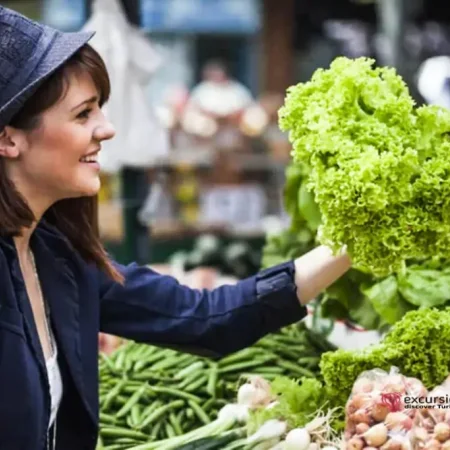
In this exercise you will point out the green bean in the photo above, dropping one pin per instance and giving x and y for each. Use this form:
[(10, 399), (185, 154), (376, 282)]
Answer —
[(200, 413), (114, 393), (175, 424), (212, 380), (121, 432), (159, 412), (134, 399), (245, 365), (192, 368), (202, 380), (174, 392)]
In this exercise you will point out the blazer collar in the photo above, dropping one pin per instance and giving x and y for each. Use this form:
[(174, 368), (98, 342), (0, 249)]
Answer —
[(54, 260)]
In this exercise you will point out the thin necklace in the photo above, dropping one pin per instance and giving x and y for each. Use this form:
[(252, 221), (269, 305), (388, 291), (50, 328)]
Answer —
[(51, 442), (46, 311)]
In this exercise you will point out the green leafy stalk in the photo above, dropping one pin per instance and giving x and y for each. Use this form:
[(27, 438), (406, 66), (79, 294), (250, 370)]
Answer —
[(380, 171)]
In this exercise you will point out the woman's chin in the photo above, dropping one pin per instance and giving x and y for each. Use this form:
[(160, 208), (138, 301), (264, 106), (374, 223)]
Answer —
[(90, 189)]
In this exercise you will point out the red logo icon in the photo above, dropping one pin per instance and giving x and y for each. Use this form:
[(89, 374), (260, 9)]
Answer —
[(393, 400)]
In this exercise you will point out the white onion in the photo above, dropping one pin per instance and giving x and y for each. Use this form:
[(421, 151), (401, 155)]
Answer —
[(272, 429), (298, 439), (246, 394)]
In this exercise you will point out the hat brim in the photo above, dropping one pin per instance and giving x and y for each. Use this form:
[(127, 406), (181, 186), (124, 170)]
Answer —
[(64, 46)]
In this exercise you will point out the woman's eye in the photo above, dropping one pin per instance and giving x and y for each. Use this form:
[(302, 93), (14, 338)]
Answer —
[(84, 114)]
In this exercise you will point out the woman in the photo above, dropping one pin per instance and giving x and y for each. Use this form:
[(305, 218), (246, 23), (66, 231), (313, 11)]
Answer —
[(58, 288)]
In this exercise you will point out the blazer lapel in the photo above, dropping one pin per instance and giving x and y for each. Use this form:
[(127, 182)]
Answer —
[(61, 292)]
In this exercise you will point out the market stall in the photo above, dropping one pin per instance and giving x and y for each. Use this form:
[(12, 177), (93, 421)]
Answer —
[(370, 173)]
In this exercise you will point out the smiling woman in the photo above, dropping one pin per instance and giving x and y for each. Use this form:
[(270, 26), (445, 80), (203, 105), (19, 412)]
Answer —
[(62, 124), (58, 287)]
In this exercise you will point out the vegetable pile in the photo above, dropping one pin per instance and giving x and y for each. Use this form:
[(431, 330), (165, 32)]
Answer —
[(153, 399), (148, 393), (419, 345), (372, 302), (369, 418), (431, 426), (379, 165)]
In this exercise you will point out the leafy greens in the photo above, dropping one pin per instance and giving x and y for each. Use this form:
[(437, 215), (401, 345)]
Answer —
[(379, 166)]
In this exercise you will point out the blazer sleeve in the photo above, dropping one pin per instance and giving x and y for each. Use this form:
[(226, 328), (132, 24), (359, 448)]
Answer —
[(157, 309)]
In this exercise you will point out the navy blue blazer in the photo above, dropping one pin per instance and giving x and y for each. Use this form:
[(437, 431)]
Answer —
[(149, 308)]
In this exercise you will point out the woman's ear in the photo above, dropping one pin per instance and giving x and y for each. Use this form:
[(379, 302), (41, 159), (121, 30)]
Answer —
[(10, 140)]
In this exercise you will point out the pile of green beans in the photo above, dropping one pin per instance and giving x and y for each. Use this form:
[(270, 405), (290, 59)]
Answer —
[(149, 393)]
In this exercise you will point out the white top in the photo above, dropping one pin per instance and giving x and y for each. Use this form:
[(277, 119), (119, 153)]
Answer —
[(55, 382)]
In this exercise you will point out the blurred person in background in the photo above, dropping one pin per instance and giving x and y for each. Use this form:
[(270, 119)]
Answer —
[(218, 94), (58, 286)]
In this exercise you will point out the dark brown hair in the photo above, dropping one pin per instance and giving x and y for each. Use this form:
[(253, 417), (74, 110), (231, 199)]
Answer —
[(76, 218)]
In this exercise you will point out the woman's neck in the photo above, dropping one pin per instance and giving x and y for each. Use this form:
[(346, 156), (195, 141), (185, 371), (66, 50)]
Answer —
[(22, 242)]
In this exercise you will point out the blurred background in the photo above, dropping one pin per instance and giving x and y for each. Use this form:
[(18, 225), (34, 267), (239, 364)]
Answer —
[(199, 162)]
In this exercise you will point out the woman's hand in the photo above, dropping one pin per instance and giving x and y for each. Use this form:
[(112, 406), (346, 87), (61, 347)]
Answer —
[(317, 270)]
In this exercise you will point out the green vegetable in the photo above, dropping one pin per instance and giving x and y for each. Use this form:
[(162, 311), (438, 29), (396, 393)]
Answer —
[(164, 394), (387, 301), (298, 401), (419, 345), (210, 443), (379, 165), (421, 286)]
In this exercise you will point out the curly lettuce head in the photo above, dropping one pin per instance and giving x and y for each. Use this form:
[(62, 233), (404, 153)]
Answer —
[(380, 167)]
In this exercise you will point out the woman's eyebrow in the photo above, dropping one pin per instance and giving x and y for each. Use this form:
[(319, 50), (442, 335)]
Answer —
[(90, 100)]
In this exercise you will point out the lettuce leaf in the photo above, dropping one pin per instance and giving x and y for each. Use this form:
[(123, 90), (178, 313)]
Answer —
[(379, 166), (386, 300), (425, 287)]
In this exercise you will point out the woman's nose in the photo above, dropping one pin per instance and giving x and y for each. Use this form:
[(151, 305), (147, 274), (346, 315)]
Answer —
[(105, 131)]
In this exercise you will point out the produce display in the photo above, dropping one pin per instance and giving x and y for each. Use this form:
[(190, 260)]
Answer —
[(379, 165), (431, 426), (371, 173), (419, 345), (369, 419), (159, 399), (372, 302), (152, 393)]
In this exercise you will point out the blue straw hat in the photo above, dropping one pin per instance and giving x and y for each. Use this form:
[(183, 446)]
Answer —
[(29, 53)]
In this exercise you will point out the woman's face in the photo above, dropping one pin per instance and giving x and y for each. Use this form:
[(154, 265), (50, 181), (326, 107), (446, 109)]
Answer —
[(58, 159)]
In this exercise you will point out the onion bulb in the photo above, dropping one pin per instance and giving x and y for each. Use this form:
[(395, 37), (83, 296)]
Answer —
[(379, 412), (255, 393), (377, 435), (361, 428), (355, 443), (361, 416), (420, 434), (433, 444), (398, 421), (442, 431), (363, 385), (298, 439), (391, 444), (447, 417), (246, 394), (358, 401)]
